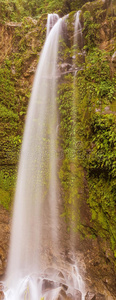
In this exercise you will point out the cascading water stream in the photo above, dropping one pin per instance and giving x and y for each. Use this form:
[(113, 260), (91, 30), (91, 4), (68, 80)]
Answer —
[(51, 20), (36, 216), (78, 37)]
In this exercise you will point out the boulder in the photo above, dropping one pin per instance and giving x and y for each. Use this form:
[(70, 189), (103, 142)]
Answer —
[(70, 296), (51, 290), (62, 295), (57, 294), (48, 285), (77, 295), (90, 296)]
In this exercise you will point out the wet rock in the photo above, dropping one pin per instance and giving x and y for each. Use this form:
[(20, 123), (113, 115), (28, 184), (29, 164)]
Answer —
[(49, 285), (58, 291), (60, 275), (1, 292), (58, 294), (66, 68), (50, 271), (62, 295), (70, 260), (0, 263), (94, 296), (77, 295), (65, 287), (69, 296), (90, 296), (1, 295)]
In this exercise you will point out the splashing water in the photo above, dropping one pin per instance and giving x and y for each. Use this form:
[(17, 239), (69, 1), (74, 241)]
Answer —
[(47, 286), (36, 215)]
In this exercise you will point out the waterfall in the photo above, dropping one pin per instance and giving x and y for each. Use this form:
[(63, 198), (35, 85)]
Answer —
[(51, 20), (35, 211), (35, 221)]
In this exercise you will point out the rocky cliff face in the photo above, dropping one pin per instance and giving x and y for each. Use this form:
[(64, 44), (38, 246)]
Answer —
[(4, 238), (20, 45)]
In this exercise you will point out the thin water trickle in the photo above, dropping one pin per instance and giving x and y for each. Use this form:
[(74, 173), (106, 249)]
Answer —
[(77, 44), (78, 37), (35, 239), (73, 138)]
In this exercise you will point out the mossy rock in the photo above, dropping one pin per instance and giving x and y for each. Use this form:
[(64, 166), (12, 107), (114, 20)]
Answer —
[(5, 198)]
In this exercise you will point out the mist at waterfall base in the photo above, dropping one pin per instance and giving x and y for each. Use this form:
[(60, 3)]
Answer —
[(35, 224)]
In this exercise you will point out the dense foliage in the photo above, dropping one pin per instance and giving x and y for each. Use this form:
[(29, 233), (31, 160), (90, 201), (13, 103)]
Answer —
[(88, 125), (15, 87), (98, 136), (15, 10)]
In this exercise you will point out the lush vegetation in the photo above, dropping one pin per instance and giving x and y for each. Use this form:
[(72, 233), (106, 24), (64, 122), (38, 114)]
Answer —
[(88, 125), (98, 136), (15, 87), (97, 118), (15, 10)]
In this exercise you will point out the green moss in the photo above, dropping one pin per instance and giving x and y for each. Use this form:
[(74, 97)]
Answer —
[(4, 198), (7, 184), (16, 10), (70, 171)]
